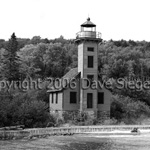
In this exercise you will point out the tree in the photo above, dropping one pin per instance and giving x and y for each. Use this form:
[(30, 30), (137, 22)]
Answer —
[(44, 60), (35, 40), (10, 70)]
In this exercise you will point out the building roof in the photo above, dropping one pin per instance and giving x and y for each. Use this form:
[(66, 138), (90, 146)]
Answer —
[(88, 23), (73, 73)]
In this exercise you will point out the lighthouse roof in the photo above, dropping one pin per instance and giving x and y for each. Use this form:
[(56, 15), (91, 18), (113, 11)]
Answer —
[(88, 23)]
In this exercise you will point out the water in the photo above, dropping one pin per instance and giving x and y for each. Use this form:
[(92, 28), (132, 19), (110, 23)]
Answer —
[(78, 142)]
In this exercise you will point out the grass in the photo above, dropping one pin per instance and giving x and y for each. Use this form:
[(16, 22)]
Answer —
[(79, 142)]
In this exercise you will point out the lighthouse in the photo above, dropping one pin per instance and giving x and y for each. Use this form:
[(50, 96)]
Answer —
[(88, 40), (94, 101)]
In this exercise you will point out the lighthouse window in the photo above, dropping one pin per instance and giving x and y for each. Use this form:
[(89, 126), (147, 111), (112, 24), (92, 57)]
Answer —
[(100, 98), (56, 98), (52, 97), (89, 100), (73, 97), (90, 79), (90, 49), (90, 61)]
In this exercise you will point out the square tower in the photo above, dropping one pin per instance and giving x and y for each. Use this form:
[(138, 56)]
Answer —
[(88, 40)]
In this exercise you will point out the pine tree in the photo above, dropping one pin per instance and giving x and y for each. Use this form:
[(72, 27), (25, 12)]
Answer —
[(11, 61)]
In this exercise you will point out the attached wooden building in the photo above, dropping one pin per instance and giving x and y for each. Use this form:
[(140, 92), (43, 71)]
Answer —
[(94, 101)]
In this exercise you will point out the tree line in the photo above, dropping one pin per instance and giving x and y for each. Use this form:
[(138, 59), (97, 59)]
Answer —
[(41, 58)]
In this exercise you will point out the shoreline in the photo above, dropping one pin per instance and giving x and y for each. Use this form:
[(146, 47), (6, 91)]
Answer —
[(106, 131)]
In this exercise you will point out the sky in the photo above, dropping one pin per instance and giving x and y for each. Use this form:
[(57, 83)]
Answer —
[(115, 19)]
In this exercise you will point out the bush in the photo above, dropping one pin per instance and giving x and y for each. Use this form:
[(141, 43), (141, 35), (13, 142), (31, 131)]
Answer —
[(79, 118), (21, 109), (110, 122), (128, 110), (36, 114)]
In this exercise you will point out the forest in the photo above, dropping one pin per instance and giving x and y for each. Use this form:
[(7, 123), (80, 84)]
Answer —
[(22, 59)]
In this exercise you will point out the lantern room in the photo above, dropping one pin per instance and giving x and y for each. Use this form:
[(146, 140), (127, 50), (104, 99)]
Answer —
[(88, 30), (88, 26)]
